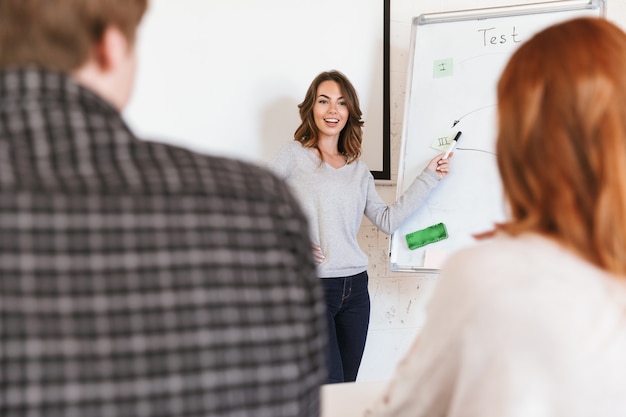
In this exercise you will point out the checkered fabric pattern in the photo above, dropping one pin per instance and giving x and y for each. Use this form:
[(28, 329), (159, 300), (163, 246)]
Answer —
[(139, 279)]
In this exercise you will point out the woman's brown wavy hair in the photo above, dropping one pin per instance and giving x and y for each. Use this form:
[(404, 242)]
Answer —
[(351, 136), (561, 146)]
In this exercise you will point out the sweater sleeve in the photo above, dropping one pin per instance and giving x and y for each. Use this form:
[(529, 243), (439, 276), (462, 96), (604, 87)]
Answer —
[(425, 379), (389, 218), (282, 163)]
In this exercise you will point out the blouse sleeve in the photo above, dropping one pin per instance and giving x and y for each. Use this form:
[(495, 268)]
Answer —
[(389, 218), (282, 163)]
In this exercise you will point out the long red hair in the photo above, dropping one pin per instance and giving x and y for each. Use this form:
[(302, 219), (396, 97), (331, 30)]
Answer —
[(561, 146)]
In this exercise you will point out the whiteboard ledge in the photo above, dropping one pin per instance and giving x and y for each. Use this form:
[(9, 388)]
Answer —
[(504, 11), (396, 268)]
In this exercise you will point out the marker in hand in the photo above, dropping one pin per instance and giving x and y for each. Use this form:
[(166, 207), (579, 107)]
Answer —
[(452, 145)]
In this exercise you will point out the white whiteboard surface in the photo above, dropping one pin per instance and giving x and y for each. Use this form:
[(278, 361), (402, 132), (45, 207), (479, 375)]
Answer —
[(456, 60), (226, 77)]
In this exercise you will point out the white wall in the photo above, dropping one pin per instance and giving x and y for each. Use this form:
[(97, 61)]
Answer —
[(398, 299), (225, 77)]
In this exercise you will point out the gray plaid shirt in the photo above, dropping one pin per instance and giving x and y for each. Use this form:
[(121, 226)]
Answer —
[(139, 279)]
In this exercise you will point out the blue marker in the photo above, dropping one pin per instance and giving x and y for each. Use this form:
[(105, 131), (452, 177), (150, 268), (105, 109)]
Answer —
[(452, 145)]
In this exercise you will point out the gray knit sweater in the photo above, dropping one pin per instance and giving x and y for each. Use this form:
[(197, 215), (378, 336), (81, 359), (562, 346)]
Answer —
[(335, 199)]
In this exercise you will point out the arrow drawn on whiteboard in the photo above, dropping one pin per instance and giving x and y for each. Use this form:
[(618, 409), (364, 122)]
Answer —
[(456, 121)]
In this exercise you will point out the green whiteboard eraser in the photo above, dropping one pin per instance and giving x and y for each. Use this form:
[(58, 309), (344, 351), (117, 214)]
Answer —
[(423, 237)]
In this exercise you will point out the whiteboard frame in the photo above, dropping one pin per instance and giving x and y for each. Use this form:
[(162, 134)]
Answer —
[(460, 15), (514, 10)]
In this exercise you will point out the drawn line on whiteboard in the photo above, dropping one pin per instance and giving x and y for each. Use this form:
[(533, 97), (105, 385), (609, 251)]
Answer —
[(456, 121), (475, 150)]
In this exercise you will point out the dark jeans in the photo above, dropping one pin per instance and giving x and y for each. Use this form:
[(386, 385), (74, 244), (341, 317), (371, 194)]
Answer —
[(348, 312)]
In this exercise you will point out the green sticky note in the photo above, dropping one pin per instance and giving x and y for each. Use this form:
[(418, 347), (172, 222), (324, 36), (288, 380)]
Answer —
[(423, 237), (443, 68)]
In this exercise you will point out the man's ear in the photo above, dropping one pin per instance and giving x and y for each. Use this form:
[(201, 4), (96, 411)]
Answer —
[(111, 50), (110, 70)]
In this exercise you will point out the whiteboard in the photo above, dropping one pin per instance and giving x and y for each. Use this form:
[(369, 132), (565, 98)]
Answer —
[(455, 63)]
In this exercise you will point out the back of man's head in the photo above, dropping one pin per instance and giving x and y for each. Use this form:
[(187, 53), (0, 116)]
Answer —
[(60, 34)]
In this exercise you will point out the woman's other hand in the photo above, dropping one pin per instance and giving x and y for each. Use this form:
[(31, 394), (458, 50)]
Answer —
[(317, 254)]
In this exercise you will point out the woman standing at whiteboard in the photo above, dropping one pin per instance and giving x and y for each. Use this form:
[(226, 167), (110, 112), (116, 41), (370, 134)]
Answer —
[(336, 189)]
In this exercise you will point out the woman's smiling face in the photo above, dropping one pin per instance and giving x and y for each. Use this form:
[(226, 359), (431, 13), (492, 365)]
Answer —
[(330, 111)]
